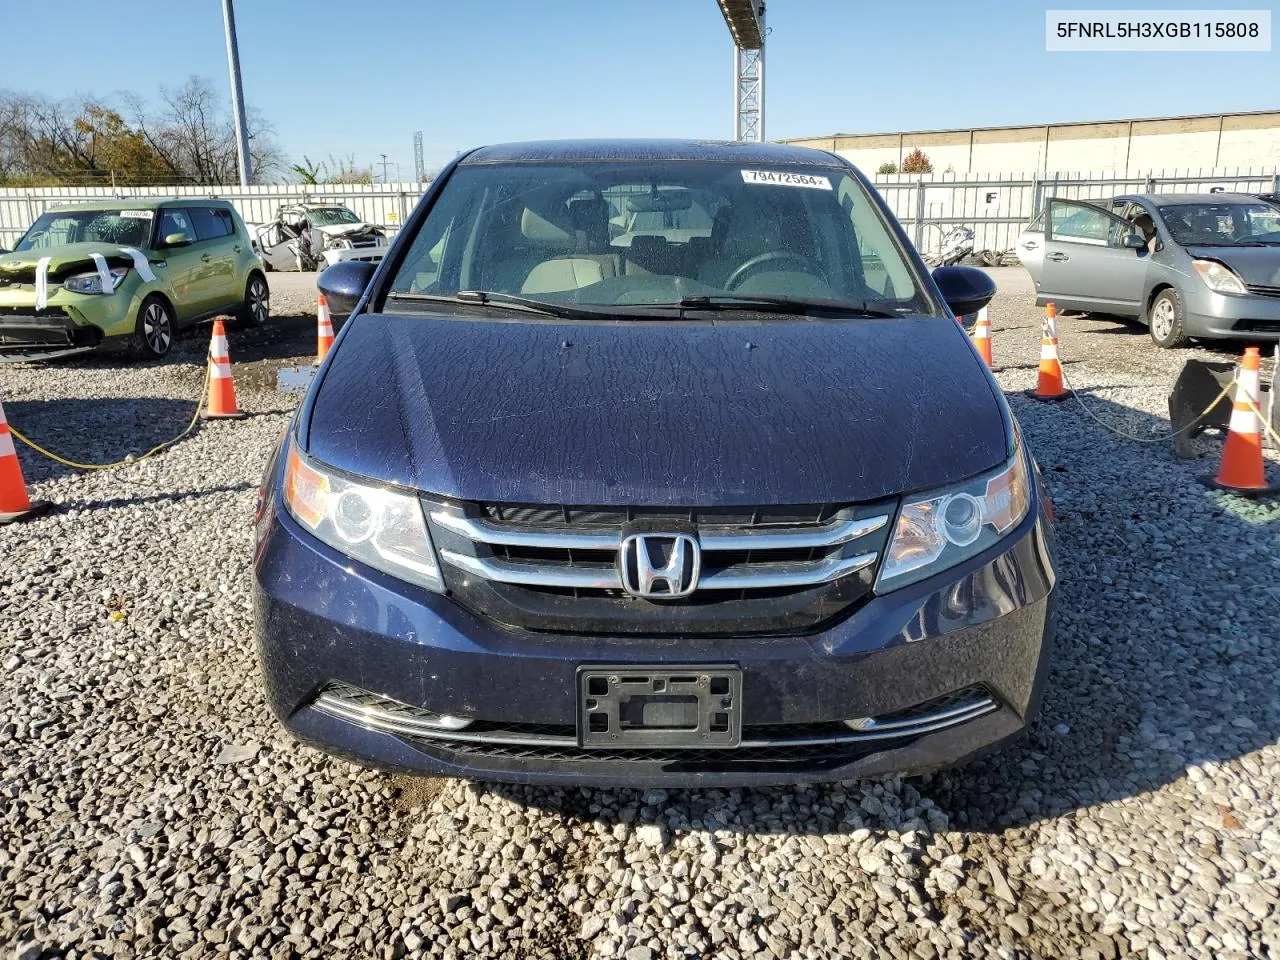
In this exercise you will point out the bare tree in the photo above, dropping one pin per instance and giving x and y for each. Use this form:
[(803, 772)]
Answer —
[(195, 135), (189, 139)]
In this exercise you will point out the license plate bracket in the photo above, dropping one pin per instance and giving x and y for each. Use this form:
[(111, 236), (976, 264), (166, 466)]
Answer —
[(698, 706)]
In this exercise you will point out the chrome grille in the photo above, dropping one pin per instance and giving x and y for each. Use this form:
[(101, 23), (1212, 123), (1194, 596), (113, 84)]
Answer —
[(557, 569), (762, 570), (1263, 290), (768, 743)]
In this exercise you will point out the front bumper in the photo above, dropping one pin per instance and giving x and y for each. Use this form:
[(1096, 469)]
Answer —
[(1236, 317), (72, 323), (44, 335), (322, 619), (368, 254)]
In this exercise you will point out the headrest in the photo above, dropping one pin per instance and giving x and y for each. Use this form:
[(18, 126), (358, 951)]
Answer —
[(538, 227), (590, 218), (648, 244)]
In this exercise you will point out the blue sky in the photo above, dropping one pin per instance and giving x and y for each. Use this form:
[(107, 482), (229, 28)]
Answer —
[(473, 71)]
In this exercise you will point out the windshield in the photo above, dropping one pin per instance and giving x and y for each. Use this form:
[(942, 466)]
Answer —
[(129, 228), (331, 216), (1222, 224), (612, 234)]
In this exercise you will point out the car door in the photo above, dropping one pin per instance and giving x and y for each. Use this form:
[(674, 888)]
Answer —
[(1086, 265), (1030, 248), (216, 285), (182, 262), (274, 244)]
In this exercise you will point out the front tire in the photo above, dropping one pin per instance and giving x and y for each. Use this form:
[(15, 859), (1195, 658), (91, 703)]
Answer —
[(256, 309), (154, 333), (1166, 321)]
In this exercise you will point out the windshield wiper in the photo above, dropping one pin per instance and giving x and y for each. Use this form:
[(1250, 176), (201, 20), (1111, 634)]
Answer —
[(486, 297), (765, 304)]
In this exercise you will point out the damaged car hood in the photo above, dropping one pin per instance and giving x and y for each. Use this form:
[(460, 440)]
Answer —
[(1257, 266), (656, 412), (347, 229), (64, 260)]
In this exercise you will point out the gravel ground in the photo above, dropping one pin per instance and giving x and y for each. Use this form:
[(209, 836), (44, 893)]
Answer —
[(150, 805)]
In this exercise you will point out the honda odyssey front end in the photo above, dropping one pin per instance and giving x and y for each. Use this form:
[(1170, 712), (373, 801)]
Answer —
[(654, 463)]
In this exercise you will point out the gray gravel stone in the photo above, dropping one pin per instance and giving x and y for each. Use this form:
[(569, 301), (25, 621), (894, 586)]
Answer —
[(1138, 817)]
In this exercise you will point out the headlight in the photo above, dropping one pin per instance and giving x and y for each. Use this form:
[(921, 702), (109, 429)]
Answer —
[(1218, 277), (92, 282), (939, 529), (377, 526)]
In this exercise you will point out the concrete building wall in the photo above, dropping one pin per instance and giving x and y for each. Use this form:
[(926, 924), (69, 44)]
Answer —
[(1118, 146)]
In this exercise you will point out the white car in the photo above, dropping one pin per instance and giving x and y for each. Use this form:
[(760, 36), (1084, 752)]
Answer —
[(311, 236)]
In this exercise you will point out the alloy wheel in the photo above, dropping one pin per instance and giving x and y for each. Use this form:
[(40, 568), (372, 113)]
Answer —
[(259, 300), (157, 328)]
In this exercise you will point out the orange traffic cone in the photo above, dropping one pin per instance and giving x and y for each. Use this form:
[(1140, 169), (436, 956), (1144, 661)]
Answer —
[(222, 390), (1242, 469), (1050, 386), (324, 331), (982, 336), (14, 502)]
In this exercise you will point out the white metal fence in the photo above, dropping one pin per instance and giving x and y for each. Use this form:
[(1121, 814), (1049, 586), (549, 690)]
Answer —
[(387, 204), (995, 207)]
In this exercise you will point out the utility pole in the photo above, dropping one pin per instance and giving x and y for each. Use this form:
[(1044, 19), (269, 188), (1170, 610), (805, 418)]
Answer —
[(237, 93), (384, 167), (419, 168)]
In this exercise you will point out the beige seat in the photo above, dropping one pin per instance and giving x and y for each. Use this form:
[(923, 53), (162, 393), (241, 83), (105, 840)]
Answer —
[(1147, 226), (573, 266), (561, 274)]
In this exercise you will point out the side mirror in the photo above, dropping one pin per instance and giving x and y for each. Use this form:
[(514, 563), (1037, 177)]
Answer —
[(344, 283), (1134, 241), (966, 289), (178, 240)]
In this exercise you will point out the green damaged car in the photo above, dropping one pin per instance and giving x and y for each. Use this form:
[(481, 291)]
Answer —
[(127, 273)]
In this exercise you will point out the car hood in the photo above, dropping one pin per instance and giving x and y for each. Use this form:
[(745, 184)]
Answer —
[(65, 259), (656, 412), (346, 229), (1257, 266)]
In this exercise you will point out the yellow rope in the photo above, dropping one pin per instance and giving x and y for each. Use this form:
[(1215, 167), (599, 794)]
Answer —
[(195, 418), (1128, 436), (1275, 437)]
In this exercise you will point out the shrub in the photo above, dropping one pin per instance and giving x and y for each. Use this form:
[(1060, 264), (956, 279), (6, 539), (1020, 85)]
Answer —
[(917, 162)]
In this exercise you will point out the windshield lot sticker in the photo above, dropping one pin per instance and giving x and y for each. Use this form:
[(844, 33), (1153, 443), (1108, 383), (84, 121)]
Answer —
[(776, 179), (138, 214)]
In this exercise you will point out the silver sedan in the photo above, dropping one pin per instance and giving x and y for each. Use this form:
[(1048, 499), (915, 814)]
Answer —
[(1188, 265)]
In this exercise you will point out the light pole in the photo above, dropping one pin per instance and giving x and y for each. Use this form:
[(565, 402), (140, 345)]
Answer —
[(237, 94)]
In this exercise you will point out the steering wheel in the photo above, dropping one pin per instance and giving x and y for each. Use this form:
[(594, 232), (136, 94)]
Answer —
[(773, 256)]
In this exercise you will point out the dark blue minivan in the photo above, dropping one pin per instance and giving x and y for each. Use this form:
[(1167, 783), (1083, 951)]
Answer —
[(653, 463)]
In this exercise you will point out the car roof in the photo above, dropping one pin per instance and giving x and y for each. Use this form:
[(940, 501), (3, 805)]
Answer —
[(145, 203), (1179, 199), (728, 151)]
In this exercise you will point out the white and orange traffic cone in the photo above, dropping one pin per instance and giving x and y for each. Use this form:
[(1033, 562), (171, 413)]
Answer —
[(324, 328), (1242, 469), (14, 502), (1051, 385), (222, 390), (982, 336)]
